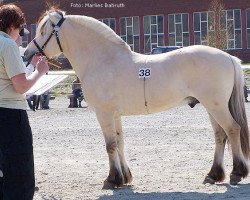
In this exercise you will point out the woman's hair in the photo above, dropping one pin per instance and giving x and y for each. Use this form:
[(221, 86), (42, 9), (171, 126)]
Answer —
[(10, 15)]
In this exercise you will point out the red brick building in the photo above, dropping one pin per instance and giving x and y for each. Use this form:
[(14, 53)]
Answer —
[(144, 24)]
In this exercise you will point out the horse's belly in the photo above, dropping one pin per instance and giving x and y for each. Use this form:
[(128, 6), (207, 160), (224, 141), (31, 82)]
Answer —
[(148, 108), (152, 96), (148, 105), (132, 108), (155, 105)]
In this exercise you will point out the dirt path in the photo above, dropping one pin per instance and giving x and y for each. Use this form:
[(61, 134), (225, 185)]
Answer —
[(168, 153)]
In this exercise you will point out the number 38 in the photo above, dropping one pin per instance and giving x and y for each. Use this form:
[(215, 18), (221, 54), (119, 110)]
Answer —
[(144, 72)]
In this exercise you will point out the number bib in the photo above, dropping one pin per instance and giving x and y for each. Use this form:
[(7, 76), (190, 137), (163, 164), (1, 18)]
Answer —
[(144, 72)]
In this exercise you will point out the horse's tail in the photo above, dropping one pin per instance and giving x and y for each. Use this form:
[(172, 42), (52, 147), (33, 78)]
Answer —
[(237, 106)]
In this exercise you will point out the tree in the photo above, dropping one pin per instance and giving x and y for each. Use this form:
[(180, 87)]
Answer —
[(218, 37)]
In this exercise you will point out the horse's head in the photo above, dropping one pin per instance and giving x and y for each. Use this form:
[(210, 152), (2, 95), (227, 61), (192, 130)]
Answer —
[(47, 40)]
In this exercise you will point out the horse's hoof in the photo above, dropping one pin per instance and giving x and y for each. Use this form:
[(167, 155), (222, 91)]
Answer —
[(209, 180), (108, 185), (234, 179), (111, 183)]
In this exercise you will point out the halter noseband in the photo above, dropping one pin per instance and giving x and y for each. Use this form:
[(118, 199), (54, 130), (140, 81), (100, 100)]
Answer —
[(55, 31)]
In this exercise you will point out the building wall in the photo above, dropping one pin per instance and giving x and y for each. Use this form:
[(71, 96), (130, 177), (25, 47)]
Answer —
[(138, 9), (33, 8)]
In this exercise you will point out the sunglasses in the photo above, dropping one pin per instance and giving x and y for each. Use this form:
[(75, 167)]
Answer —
[(21, 31)]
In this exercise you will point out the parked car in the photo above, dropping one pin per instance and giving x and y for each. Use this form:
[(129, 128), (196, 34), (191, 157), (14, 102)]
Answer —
[(164, 49)]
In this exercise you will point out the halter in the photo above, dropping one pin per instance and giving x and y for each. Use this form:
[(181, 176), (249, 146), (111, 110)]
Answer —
[(55, 31)]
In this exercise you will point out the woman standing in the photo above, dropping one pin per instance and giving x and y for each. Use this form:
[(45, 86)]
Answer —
[(15, 134)]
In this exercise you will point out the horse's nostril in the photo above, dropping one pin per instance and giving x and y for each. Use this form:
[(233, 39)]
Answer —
[(28, 56), (26, 53)]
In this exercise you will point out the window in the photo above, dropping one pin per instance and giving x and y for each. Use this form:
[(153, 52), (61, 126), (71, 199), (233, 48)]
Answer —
[(109, 22), (248, 28), (153, 27), (130, 31), (231, 23), (203, 27), (25, 39), (33, 31), (178, 26)]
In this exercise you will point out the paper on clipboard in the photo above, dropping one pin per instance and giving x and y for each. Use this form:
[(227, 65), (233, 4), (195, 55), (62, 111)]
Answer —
[(45, 83)]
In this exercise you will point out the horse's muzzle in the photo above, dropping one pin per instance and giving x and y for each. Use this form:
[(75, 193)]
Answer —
[(28, 55)]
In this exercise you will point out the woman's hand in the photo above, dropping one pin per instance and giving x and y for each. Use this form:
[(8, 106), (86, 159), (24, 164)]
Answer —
[(22, 83), (42, 65)]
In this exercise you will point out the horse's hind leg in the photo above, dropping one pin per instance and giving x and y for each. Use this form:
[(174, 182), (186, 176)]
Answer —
[(120, 142), (232, 130), (217, 173), (115, 177)]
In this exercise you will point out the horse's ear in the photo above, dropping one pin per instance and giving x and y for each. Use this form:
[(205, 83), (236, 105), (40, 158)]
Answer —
[(54, 17)]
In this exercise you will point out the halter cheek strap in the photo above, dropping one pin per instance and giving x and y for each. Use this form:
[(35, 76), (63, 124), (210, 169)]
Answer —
[(55, 31)]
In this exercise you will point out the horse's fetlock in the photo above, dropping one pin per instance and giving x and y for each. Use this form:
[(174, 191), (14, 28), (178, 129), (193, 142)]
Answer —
[(240, 168), (240, 171), (217, 173), (116, 177)]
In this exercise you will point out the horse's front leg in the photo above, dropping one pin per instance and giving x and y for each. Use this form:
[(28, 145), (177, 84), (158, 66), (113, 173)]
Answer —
[(115, 177), (120, 142)]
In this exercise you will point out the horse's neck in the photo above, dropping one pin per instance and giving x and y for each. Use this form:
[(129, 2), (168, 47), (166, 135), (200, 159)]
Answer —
[(87, 49)]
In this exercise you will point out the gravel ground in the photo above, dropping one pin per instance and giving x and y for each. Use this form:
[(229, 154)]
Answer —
[(169, 154)]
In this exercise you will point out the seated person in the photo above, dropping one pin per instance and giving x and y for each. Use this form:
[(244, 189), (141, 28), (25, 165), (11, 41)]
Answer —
[(78, 95), (76, 99)]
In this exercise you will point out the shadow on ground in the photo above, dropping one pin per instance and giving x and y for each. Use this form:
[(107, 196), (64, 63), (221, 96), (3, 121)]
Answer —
[(240, 192)]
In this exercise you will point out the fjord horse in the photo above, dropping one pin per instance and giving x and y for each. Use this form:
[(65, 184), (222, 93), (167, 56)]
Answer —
[(117, 82)]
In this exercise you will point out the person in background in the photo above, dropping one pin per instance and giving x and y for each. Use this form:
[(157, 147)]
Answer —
[(245, 93), (33, 100), (44, 100), (18, 181), (76, 99)]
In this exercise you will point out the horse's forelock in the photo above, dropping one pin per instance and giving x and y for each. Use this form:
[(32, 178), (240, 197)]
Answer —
[(42, 23), (44, 18), (56, 10)]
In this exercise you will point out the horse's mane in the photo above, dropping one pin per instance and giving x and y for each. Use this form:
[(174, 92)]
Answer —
[(100, 28)]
